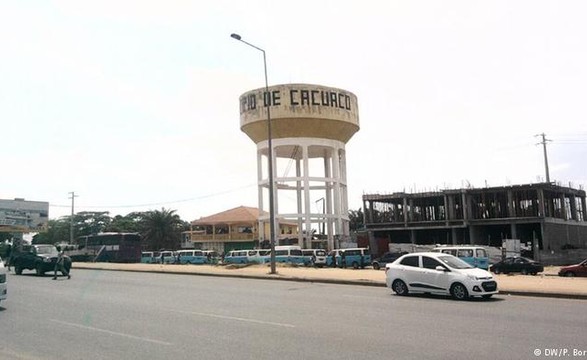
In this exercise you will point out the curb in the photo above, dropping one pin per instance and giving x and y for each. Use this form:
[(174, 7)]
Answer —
[(341, 282)]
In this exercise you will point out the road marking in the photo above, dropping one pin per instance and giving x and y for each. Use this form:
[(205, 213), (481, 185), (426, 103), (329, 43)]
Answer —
[(111, 332), (234, 318)]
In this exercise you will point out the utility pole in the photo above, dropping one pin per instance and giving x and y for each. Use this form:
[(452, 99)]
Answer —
[(73, 196), (543, 142)]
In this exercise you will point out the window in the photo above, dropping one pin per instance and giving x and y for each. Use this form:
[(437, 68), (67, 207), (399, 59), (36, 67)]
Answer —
[(465, 253), (450, 251), (481, 253), (410, 261), (430, 263)]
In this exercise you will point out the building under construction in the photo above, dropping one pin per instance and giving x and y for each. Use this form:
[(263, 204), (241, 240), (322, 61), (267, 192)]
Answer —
[(550, 219)]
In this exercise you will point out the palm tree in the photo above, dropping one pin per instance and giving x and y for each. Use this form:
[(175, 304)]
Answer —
[(162, 229)]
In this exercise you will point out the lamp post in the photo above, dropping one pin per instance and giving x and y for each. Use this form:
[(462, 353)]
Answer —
[(270, 155), (323, 213)]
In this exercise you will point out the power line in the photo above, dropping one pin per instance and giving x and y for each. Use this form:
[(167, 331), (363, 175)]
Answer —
[(163, 202)]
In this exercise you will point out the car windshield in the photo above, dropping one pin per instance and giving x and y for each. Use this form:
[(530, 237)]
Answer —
[(46, 249), (454, 262)]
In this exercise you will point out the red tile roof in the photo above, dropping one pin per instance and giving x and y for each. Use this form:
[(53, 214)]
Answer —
[(238, 215)]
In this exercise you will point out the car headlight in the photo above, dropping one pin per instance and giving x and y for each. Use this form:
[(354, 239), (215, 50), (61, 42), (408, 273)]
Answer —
[(472, 277), (46, 259)]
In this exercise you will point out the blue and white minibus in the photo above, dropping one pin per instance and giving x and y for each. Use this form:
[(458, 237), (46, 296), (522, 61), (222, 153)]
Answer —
[(353, 257), (314, 257), (473, 255), (191, 257), (291, 254), (251, 256)]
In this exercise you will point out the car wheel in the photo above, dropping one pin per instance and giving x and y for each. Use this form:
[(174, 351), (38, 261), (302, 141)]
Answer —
[(534, 273), (496, 271), (355, 265), (524, 272), (400, 287), (488, 296), (459, 292), (17, 270), (376, 266), (39, 270), (570, 274)]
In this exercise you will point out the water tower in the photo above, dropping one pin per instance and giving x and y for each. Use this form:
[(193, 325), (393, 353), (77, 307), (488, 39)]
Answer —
[(310, 126)]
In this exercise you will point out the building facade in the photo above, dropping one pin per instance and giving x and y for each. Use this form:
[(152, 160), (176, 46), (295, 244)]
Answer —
[(550, 219), (232, 229), (20, 215)]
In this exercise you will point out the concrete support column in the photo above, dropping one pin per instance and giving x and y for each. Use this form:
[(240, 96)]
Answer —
[(563, 206), (299, 188), (329, 199), (584, 209), (336, 175), (405, 208), (260, 185), (511, 204), (306, 172), (541, 204), (454, 235), (466, 207), (573, 199), (446, 211), (514, 231)]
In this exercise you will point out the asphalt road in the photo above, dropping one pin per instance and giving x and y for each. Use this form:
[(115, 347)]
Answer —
[(123, 315)]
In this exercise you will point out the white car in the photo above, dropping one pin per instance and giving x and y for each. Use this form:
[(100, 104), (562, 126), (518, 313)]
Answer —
[(438, 273)]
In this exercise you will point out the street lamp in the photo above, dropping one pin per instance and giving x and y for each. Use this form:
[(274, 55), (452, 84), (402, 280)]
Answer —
[(270, 155)]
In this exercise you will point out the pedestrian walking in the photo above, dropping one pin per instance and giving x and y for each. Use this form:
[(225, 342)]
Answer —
[(342, 260), (333, 264), (60, 265)]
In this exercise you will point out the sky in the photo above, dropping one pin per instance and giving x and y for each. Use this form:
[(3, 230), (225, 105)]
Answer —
[(133, 105)]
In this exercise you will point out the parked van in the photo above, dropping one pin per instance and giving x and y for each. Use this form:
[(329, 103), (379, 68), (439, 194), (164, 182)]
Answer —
[(353, 257), (3, 286), (314, 257), (148, 257), (291, 254), (252, 256), (168, 257), (474, 255), (191, 257), (212, 256)]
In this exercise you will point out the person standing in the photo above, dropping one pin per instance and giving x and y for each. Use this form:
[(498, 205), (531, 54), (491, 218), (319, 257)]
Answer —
[(8, 256), (60, 265), (342, 260)]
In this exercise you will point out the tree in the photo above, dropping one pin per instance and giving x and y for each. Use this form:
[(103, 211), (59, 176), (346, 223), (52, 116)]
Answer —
[(356, 220), (162, 229), (57, 232), (90, 222), (133, 222)]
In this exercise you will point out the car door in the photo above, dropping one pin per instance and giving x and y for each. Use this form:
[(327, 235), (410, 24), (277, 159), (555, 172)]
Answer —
[(519, 265), (411, 272), (432, 279)]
